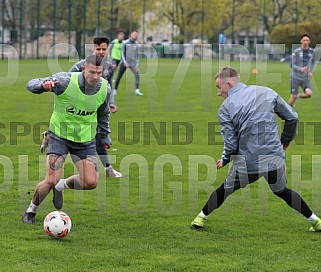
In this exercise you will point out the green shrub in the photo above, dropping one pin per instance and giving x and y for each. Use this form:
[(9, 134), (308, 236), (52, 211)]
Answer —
[(290, 34)]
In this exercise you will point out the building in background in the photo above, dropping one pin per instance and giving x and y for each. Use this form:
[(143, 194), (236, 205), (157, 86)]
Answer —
[(160, 33)]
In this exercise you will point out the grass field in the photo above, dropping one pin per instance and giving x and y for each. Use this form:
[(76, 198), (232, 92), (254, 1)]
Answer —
[(166, 144)]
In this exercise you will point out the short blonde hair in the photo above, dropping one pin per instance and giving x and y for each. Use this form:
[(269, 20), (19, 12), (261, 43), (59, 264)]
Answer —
[(227, 72)]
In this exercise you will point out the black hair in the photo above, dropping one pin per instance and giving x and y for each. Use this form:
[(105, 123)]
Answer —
[(100, 40), (305, 35)]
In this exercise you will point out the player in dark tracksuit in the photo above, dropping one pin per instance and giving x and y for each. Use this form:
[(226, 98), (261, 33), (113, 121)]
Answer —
[(129, 60)]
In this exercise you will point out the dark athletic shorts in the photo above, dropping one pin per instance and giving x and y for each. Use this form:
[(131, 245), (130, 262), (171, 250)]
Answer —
[(304, 84), (115, 61), (78, 151)]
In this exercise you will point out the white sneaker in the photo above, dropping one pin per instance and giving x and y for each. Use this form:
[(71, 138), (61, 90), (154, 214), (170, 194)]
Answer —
[(115, 92), (138, 93), (111, 172)]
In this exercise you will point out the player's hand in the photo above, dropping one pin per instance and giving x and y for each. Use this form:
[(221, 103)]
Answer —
[(125, 65), (113, 108), (106, 142), (304, 69), (107, 146), (219, 164), (48, 85), (310, 75), (285, 146)]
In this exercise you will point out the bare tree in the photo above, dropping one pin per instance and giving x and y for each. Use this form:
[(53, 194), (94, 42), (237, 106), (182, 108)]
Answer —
[(12, 17)]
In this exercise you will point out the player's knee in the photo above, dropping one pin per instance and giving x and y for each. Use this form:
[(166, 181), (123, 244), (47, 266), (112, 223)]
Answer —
[(281, 192), (52, 179), (91, 183), (90, 180)]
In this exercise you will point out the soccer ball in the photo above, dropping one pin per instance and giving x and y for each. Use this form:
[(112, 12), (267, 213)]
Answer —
[(57, 224)]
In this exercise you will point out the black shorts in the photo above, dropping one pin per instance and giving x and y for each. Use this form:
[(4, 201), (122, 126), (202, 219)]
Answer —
[(115, 61), (78, 151)]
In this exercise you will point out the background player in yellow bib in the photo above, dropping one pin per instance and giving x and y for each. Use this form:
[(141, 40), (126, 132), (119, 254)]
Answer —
[(116, 48)]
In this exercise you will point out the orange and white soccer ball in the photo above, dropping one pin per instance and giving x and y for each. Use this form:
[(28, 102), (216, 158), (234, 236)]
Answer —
[(57, 224)]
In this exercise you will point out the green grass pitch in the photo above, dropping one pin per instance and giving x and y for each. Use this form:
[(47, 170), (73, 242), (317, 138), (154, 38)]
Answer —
[(166, 144)]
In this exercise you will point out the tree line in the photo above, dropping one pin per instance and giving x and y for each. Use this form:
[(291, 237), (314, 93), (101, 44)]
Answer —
[(281, 20)]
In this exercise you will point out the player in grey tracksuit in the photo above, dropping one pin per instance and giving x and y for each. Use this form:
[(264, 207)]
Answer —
[(302, 64), (251, 141), (129, 60)]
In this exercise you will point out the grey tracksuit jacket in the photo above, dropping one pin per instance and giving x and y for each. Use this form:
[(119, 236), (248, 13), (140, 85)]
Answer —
[(250, 129)]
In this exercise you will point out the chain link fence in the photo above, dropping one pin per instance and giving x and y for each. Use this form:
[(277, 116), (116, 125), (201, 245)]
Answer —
[(52, 28), (66, 28)]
